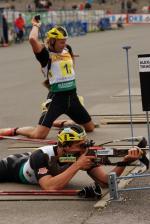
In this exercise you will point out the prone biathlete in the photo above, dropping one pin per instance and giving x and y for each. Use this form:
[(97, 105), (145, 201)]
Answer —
[(42, 167)]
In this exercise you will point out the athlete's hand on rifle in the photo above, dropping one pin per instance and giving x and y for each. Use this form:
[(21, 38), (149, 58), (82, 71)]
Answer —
[(133, 154), (85, 162)]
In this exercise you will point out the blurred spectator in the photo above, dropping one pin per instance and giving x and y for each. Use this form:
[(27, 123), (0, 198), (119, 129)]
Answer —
[(87, 6), (120, 22), (104, 24), (81, 6), (49, 4), (43, 4), (145, 9), (29, 7), (74, 7), (39, 4), (5, 31), (101, 1), (129, 6), (12, 7), (123, 7), (134, 6), (36, 2), (19, 28)]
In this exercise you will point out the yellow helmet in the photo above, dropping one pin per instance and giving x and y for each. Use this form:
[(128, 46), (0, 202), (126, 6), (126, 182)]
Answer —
[(71, 133), (58, 32)]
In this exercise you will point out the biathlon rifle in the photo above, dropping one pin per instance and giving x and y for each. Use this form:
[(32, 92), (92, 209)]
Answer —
[(102, 154)]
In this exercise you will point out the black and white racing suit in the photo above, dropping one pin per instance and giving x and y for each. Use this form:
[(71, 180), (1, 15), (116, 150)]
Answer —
[(30, 167)]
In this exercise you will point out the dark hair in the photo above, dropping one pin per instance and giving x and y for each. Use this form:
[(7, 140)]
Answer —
[(70, 50)]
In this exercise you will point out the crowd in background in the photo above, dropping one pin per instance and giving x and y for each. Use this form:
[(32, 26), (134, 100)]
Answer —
[(48, 5), (19, 30), (123, 6), (43, 4), (19, 23)]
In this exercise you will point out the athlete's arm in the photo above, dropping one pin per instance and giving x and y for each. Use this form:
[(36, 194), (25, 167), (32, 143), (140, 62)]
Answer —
[(43, 57), (58, 182), (133, 154), (39, 49), (46, 179), (99, 174), (39, 162), (37, 46)]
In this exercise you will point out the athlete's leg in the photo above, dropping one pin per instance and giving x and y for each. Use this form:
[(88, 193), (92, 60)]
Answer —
[(61, 123), (89, 126), (34, 132), (31, 132), (8, 131), (79, 114), (4, 172), (53, 109)]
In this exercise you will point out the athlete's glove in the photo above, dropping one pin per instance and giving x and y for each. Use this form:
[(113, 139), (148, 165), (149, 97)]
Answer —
[(91, 192)]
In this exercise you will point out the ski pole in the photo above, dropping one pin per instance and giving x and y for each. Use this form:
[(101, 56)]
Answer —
[(126, 48), (130, 139), (86, 192), (39, 141), (41, 192), (47, 141)]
